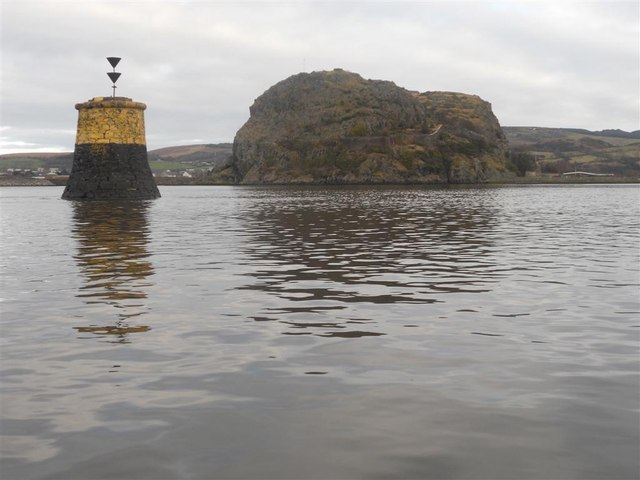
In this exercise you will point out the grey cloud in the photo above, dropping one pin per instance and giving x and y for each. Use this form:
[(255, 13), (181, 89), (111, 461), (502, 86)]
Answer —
[(200, 65)]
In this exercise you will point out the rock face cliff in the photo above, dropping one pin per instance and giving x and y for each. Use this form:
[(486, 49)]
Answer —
[(336, 127)]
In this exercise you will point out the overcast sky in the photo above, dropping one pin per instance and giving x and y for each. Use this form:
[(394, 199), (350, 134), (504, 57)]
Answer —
[(199, 65)]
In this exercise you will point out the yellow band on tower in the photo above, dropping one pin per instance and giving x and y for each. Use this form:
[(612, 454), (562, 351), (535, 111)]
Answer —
[(111, 120)]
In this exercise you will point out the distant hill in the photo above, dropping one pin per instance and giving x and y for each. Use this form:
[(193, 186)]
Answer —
[(196, 155), (180, 157), (609, 133), (36, 160), (559, 150)]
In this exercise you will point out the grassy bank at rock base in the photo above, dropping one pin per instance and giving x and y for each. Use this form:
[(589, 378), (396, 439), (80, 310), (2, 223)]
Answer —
[(16, 181), (565, 179)]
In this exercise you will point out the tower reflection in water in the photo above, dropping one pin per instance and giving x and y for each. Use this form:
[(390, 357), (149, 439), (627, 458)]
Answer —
[(112, 255)]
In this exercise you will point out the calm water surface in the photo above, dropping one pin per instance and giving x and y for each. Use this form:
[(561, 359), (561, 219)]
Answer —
[(327, 333)]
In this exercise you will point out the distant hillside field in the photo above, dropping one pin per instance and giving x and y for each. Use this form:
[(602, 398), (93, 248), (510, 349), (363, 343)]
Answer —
[(170, 158), (560, 150), (36, 160), (208, 155)]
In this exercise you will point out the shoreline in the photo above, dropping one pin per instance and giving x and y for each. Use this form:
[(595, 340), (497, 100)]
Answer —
[(175, 181)]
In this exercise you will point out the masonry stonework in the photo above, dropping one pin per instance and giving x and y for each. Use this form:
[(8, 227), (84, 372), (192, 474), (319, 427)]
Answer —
[(110, 155)]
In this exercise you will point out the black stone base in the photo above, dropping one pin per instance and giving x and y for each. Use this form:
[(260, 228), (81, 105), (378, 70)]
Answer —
[(110, 171)]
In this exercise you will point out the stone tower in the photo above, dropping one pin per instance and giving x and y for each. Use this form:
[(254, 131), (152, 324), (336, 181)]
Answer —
[(110, 155)]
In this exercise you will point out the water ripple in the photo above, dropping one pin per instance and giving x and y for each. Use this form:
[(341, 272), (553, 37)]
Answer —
[(347, 332)]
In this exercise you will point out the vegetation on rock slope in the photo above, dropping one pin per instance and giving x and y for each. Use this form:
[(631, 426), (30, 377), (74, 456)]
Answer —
[(336, 127)]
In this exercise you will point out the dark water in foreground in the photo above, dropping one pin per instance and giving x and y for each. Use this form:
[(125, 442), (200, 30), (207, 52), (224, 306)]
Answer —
[(343, 333)]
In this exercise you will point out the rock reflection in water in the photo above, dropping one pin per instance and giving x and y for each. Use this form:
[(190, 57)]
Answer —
[(112, 254), (323, 249)]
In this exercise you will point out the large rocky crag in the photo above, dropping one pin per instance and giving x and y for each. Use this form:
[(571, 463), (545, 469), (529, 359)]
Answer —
[(336, 127)]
